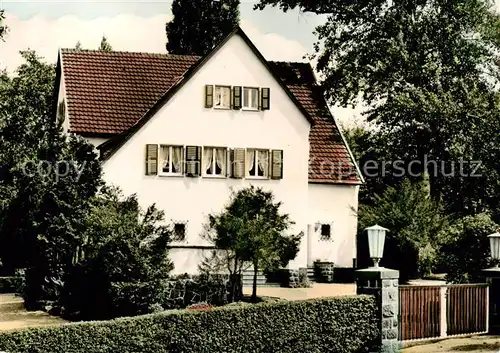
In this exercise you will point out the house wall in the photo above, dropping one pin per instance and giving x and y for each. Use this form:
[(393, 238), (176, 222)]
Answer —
[(60, 96), (336, 205)]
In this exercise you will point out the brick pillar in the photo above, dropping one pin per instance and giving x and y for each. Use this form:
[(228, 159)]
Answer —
[(383, 283)]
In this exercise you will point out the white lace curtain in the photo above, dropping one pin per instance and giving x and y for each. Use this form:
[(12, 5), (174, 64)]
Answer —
[(165, 152), (221, 159), (207, 159), (262, 160), (176, 159), (250, 160)]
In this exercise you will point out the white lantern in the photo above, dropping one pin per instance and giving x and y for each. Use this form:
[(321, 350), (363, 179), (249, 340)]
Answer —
[(495, 246), (376, 240)]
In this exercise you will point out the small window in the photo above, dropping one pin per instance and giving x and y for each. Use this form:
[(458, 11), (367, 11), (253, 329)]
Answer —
[(257, 163), (325, 231), (251, 98), (179, 232), (222, 97), (171, 160), (214, 161)]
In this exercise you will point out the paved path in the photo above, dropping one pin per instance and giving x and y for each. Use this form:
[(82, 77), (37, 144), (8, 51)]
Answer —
[(14, 316), (318, 290), (480, 344)]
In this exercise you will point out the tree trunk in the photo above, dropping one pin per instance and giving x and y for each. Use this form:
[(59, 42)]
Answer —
[(254, 286), (234, 279)]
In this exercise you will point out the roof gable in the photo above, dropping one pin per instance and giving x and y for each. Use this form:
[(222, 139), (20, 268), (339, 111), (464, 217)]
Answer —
[(117, 93)]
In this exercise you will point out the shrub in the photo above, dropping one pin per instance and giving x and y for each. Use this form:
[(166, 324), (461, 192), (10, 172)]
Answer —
[(342, 325), (465, 250), (414, 222), (12, 284)]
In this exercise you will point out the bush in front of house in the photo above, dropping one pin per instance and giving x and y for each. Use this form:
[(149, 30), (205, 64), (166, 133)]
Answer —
[(341, 325), (13, 284)]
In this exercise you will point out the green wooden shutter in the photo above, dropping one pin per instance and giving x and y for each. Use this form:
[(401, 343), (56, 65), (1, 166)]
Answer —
[(193, 161), (209, 96), (229, 163), (151, 159), (237, 97), (238, 163), (276, 164), (265, 99)]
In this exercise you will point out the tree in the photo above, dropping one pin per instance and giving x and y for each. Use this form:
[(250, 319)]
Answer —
[(121, 263), (252, 229), (3, 28), (414, 222), (78, 45), (47, 179), (105, 46), (465, 250), (426, 69), (199, 25)]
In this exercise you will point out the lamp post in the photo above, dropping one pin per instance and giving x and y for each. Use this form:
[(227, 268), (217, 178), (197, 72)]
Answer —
[(495, 247), (376, 240)]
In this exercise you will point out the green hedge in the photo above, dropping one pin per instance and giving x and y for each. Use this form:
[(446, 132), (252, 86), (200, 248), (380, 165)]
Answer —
[(12, 284), (343, 324)]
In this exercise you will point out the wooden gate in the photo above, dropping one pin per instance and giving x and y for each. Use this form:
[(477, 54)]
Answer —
[(428, 312)]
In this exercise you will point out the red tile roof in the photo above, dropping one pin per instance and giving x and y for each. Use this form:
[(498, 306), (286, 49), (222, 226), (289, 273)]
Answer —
[(108, 93)]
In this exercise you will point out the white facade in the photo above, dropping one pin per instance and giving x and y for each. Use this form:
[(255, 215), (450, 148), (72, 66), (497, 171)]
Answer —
[(184, 120)]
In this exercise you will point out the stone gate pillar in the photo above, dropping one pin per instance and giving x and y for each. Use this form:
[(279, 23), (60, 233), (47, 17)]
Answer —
[(383, 283), (492, 277)]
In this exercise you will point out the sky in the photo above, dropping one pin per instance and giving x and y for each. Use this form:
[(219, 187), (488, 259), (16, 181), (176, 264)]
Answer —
[(135, 25)]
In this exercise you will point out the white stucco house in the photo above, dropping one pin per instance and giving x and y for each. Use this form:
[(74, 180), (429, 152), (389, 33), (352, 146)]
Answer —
[(182, 131)]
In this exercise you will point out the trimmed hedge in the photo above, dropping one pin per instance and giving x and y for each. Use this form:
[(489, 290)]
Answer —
[(342, 324)]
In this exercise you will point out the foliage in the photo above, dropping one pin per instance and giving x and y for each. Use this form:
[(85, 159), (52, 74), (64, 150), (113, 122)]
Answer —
[(183, 291), (105, 46), (466, 249), (47, 180), (3, 28), (199, 25), (251, 228), (414, 222), (12, 284), (428, 71), (121, 266), (342, 324)]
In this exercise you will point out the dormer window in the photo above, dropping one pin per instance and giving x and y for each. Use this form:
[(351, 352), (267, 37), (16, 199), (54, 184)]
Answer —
[(222, 97), (250, 98)]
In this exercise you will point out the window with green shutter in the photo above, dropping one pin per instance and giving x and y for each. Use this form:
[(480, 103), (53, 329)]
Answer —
[(237, 97), (193, 161), (276, 164), (151, 159), (265, 99), (209, 96)]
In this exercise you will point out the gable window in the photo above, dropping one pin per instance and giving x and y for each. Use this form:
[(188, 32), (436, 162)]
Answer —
[(222, 97), (214, 161), (179, 233), (257, 163), (250, 98), (171, 160)]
